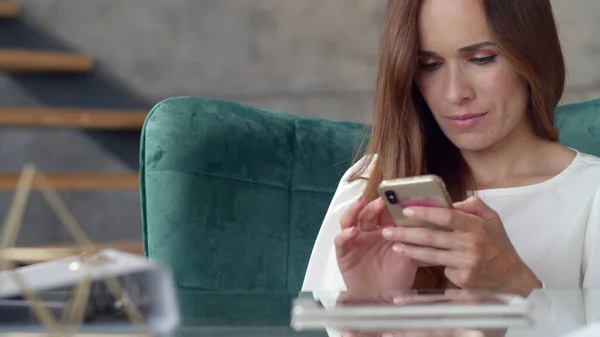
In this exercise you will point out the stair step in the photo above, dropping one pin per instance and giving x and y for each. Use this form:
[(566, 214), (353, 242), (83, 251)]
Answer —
[(31, 255), (80, 118), (25, 60), (9, 9), (78, 181)]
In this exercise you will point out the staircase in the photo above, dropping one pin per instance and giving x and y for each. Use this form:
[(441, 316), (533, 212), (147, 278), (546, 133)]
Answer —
[(8, 9), (27, 61)]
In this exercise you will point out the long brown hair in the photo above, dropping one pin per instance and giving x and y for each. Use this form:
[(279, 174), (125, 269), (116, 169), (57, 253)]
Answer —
[(404, 135)]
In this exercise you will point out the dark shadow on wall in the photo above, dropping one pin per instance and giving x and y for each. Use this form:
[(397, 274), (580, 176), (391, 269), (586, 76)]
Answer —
[(92, 90)]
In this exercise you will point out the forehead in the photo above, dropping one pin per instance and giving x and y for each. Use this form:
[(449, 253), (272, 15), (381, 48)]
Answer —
[(446, 25)]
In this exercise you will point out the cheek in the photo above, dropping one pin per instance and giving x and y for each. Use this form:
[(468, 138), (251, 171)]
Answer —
[(511, 95), (519, 96), (432, 91), (423, 84), (503, 84)]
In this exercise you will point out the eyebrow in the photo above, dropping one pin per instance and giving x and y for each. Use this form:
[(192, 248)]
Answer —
[(470, 48)]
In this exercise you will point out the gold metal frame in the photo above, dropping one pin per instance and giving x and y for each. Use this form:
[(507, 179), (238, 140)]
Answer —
[(73, 314)]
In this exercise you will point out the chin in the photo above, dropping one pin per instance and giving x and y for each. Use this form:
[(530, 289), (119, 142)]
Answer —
[(471, 144)]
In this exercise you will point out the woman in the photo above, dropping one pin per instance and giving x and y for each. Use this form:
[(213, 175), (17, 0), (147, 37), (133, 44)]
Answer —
[(466, 90)]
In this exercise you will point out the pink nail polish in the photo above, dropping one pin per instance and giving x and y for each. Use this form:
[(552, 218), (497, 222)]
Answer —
[(399, 300), (387, 233), (398, 248), (409, 212)]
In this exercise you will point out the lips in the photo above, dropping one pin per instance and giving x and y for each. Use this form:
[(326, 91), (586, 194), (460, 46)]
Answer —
[(466, 116), (467, 121)]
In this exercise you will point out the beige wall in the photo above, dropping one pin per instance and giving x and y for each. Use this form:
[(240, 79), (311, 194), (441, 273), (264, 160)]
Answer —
[(307, 57), (579, 27)]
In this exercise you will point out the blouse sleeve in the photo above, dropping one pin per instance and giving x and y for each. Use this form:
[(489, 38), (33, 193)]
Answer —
[(591, 261), (591, 250), (322, 273)]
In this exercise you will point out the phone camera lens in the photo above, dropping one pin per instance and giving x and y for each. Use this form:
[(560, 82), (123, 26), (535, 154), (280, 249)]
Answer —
[(391, 196)]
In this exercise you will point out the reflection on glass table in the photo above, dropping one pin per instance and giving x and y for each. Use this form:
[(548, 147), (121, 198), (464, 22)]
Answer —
[(456, 313), (452, 309), (552, 313)]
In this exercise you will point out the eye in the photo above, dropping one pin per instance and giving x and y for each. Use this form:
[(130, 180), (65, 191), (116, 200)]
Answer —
[(430, 65), (482, 61)]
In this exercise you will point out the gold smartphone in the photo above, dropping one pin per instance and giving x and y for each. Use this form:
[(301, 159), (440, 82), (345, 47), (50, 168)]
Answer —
[(427, 190)]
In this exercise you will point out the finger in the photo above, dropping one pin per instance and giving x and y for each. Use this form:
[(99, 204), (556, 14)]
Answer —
[(419, 298), (343, 241), (385, 219), (351, 215), (445, 217), (348, 333), (385, 297), (476, 206), (467, 296), (459, 205), (433, 256), (369, 215), (418, 333), (394, 334), (422, 237), (357, 333)]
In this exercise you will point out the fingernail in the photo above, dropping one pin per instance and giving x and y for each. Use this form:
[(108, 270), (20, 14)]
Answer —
[(398, 248), (362, 199), (387, 233), (399, 300), (348, 232), (409, 212)]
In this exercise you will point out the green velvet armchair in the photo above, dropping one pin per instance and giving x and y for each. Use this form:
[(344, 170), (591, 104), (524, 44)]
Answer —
[(233, 196)]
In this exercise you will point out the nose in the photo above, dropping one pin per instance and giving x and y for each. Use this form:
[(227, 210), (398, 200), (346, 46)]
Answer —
[(458, 88)]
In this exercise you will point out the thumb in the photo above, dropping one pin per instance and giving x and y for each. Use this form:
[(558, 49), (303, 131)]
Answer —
[(476, 206)]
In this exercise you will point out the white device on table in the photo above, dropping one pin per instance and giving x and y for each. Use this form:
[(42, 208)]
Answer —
[(148, 286), (424, 311)]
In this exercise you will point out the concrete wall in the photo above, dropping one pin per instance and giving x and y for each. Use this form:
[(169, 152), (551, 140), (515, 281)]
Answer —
[(309, 57)]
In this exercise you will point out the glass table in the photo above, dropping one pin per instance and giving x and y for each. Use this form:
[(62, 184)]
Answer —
[(553, 313), (548, 313)]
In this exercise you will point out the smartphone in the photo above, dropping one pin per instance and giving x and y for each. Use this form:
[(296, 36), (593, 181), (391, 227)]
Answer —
[(427, 190)]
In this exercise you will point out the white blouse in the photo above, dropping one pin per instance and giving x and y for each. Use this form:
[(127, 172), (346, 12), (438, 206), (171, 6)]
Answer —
[(554, 226)]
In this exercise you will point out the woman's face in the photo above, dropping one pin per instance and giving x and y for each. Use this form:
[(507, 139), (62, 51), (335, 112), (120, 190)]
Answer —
[(476, 97)]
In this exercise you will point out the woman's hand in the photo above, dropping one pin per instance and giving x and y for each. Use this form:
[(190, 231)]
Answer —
[(366, 259), (477, 254)]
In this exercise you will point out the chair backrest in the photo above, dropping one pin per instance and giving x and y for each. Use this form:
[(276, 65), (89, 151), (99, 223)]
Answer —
[(233, 196), (579, 125)]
